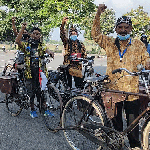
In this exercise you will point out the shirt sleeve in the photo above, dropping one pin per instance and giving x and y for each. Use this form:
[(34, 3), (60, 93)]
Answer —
[(101, 39), (23, 47), (83, 51), (63, 35), (144, 55)]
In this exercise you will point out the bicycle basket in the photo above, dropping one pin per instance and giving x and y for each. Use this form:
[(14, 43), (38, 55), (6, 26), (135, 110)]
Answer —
[(7, 84)]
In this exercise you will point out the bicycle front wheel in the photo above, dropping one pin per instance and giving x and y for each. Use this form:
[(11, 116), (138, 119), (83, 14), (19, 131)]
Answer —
[(146, 136), (77, 109), (13, 104), (54, 105)]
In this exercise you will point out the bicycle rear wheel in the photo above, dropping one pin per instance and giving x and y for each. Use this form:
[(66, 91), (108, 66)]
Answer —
[(13, 104), (72, 114), (54, 105), (146, 136)]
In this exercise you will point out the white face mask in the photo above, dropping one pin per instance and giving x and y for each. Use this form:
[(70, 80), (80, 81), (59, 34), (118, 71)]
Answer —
[(73, 37)]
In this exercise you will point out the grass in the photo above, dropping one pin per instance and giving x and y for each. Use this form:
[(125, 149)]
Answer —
[(60, 48)]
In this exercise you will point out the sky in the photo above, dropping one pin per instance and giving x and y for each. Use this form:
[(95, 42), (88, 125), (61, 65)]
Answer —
[(119, 6), (123, 6)]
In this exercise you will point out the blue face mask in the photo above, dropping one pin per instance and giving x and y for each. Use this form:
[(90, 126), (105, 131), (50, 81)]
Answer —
[(73, 37), (122, 38)]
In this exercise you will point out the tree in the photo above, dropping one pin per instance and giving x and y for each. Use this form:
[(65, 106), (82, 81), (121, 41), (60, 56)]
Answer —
[(107, 22), (46, 13), (140, 21)]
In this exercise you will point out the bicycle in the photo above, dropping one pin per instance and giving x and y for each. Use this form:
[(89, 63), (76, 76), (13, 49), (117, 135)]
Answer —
[(85, 118), (59, 77), (14, 86)]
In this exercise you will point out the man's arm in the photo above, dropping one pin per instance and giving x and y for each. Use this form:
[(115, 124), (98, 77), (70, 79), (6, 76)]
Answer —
[(83, 51), (13, 26), (102, 40), (19, 37), (63, 32)]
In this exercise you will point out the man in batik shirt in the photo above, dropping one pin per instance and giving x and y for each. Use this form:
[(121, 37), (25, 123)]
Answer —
[(72, 46), (122, 52), (33, 48)]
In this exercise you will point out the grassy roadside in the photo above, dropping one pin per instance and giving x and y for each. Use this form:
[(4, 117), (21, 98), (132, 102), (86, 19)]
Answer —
[(59, 49)]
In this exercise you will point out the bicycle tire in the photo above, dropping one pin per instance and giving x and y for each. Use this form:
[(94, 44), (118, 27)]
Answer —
[(54, 105), (146, 135), (76, 140), (13, 104)]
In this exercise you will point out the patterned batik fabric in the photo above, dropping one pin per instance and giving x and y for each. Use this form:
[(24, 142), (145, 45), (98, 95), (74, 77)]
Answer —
[(75, 68), (136, 54), (40, 51)]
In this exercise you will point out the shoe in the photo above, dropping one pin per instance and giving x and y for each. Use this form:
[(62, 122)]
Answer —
[(33, 114), (48, 113)]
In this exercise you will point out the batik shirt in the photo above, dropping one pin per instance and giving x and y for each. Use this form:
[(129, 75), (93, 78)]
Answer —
[(136, 54), (40, 52), (75, 68)]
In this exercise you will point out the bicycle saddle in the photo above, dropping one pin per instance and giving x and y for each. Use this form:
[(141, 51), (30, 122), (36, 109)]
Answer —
[(97, 79)]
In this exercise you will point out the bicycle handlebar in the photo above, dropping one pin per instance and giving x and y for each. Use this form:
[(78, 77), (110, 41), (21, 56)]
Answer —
[(131, 73), (74, 58)]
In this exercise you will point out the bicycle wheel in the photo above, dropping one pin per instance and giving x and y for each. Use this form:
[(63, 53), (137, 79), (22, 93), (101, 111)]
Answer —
[(72, 114), (54, 104), (146, 136), (13, 104), (17, 100)]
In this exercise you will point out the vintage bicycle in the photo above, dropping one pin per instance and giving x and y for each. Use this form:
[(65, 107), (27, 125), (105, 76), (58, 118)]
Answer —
[(59, 77), (85, 118), (13, 84)]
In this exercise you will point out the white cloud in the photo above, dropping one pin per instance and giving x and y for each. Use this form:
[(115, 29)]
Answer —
[(123, 6)]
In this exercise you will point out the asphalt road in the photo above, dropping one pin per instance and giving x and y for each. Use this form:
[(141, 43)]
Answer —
[(23, 132)]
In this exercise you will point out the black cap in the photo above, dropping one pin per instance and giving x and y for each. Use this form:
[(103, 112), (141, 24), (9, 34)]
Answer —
[(124, 19)]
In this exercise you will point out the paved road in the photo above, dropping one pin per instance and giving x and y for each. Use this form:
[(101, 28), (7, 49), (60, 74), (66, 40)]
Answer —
[(23, 132)]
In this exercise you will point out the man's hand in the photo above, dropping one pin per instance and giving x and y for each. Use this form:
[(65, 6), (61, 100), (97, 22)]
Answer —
[(24, 25), (101, 9), (51, 53), (65, 19), (13, 19)]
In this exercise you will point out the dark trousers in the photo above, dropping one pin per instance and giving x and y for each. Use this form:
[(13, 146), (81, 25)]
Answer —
[(33, 89), (132, 111), (78, 81)]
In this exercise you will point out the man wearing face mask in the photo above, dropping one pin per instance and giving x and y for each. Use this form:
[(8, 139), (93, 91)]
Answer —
[(33, 48), (72, 47), (122, 52)]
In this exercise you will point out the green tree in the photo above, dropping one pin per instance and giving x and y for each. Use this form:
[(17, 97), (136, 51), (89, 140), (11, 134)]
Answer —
[(107, 22), (140, 21), (46, 13)]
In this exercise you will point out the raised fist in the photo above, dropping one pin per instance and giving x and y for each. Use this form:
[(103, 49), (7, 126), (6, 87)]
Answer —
[(13, 19), (101, 8), (65, 19), (24, 25)]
